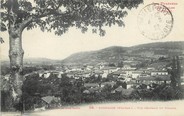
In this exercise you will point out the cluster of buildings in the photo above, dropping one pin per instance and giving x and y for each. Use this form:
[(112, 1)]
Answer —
[(129, 73)]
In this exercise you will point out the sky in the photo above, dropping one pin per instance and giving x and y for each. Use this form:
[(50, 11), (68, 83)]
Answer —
[(38, 44)]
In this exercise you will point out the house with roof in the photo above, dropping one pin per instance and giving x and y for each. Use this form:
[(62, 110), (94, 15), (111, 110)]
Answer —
[(40, 73), (144, 75), (123, 91), (136, 74), (146, 80), (126, 79), (75, 68), (86, 74), (122, 77), (90, 67), (70, 74), (118, 89), (110, 83), (46, 74), (162, 79), (104, 75), (92, 88), (128, 71), (78, 75), (158, 72), (154, 79), (60, 74), (108, 70), (51, 101), (47, 102), (118, 73), (7, 77), (74, 74), (97, 73)]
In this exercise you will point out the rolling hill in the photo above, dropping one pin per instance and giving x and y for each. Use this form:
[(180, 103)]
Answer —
[(115, 53)]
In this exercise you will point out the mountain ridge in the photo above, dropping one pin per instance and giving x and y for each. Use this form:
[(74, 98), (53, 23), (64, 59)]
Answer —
[(115, 53)]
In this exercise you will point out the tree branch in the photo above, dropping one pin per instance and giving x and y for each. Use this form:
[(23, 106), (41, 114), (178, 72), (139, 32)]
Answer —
[(25, 23), (33, 18)]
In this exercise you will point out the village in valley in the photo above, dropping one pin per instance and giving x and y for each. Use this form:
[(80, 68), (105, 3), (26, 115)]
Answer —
[(144, 76)]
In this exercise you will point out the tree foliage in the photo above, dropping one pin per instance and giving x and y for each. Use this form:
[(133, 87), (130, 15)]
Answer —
[(59, 15)]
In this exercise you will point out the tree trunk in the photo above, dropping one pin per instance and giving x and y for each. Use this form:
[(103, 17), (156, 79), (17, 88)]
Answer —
[(16, 63)]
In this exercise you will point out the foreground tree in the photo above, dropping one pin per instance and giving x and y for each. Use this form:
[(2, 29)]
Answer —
[(57, 16)]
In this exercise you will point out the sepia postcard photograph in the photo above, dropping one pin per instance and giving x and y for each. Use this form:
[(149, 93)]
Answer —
[(92, 57)]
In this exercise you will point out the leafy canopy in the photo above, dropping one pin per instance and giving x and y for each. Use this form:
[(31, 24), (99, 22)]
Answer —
[(59, 15)]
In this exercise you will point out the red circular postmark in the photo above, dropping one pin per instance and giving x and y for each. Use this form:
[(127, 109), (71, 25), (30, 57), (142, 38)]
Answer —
[(155, 21)]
